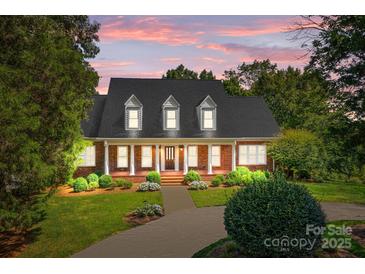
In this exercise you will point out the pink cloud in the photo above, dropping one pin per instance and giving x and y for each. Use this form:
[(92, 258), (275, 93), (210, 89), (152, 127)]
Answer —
[(213, 60), (108, 64), (150, 29), (171, 59)]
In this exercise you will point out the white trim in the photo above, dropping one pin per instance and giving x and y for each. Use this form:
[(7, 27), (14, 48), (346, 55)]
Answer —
[(185, 158), (106, 158), (210, 167), (118, 157), (162, 158), (234, 157), (176, 158), (246, 162), (132, 168), (182, 140), (157, 158)]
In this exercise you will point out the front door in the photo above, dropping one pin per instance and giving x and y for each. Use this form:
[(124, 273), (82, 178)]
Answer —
[(169, 157)]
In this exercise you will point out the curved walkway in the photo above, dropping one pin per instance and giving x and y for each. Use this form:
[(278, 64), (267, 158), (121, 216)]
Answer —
[(185, 229)]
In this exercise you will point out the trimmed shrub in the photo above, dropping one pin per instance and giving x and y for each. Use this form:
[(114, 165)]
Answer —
[(242, 170), (105, 181), (80, 185), (99, 173), (92, 177), (247, 178), (263, 212), (154, 177), (148, 210), (258, 176), (148, 186), (196, 185), (93, 185), (123, 183), (191, 176), (233, 178), (217, 180), (71, 182)]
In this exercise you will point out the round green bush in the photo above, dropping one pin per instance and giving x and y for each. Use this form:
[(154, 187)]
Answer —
[(93, 185), (247, 178), (259, 176), (71, 182), (92, 177), (123, 183), (242, 170), (153, 177), (80, 185), (191, 176), (262, 213), (217, 180), (105, 181), (233, 178)]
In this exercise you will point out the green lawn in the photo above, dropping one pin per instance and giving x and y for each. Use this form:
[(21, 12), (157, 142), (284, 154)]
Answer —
[(324, 192), (74, 223)]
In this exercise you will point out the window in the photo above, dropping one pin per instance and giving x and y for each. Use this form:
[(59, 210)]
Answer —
[(88, 156), (133, 122), (252, 155), (122, 156), (146, 156), (208, 119), (216, 155), (170, 119), (193, 156)]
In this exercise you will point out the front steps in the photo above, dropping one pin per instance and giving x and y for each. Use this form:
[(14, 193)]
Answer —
[(172, 180)]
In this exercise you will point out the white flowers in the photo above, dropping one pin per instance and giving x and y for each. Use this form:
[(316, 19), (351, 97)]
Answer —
[(149, 186), (198, 185)]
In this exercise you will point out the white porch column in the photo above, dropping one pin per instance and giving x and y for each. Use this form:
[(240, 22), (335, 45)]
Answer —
[(132, 169), (162, 158), (210, 168), (185, 159), (157, 158), (234, 157), (106, 158), (176, 158)]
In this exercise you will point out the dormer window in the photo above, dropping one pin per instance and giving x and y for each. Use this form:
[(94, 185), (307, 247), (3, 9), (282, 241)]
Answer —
[(171, 114), (133, 114), (207, 112)]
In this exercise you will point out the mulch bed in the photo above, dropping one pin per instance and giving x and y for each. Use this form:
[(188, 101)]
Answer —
[(67, 191), (12, 243), (135, 220), (358, 234)]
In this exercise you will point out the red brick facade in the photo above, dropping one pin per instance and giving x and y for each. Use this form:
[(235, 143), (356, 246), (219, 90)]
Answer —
[(226, 160)]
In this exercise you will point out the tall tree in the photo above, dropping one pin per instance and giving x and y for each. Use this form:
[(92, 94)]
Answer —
[(181, 72), (46, 89)]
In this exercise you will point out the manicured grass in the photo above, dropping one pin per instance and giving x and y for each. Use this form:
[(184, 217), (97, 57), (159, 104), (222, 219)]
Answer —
[(325, 192), (337, 192), (212, 196), (74, 223)]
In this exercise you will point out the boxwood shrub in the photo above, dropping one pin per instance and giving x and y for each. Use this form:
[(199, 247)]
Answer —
[(217, 180), (92, 177), (105, 181), (80, 184), (191, 176), (154, 177), (233, 178), (262, 212), (93, 185), (123, 183)]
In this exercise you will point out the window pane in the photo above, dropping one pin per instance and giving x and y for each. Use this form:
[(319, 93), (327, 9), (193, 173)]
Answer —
[(133, 123), (122, 156), (242, 157), (146, 156), (171, 114), (208, 123), (171, 123), (261, 154), (208, 114), (88, 156), (216, 155), (252, 154), (146, 150), (133, 113), (216, 150), (192, 156)]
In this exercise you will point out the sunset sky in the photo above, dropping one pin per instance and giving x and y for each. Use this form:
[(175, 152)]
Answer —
[(146, 46)]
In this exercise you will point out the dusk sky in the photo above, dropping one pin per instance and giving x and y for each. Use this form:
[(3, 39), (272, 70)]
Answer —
[(147, 46)]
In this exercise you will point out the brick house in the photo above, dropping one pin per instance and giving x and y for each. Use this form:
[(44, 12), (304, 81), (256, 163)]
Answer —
[(172, 126)]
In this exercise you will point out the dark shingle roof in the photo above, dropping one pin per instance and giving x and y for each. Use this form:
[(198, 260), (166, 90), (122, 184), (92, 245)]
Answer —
[(236, 116)]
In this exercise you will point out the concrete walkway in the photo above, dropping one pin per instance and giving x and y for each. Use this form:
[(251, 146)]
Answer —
[(176, 198), (185, 229)]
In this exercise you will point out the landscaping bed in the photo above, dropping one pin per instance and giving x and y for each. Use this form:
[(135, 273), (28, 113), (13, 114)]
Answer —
[(67, 191)]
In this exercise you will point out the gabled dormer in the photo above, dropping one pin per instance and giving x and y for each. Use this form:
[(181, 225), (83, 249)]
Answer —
[(171, 114), (133, 113), (207, 113)]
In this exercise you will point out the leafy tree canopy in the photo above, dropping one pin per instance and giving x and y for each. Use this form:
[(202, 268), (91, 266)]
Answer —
[(46, 89), (181, 72)]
